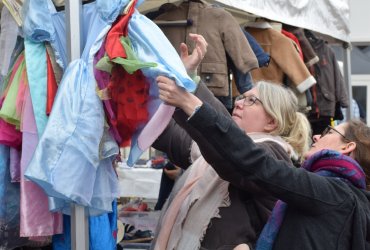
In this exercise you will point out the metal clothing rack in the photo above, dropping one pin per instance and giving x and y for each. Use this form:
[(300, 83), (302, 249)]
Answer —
[(79, 219)]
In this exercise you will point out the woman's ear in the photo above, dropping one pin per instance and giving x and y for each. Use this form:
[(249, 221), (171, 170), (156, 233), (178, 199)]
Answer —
[(271, 125), (348, 148)]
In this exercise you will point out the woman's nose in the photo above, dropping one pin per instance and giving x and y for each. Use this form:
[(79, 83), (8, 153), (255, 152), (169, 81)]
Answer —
[(316, 138), (239, 104)]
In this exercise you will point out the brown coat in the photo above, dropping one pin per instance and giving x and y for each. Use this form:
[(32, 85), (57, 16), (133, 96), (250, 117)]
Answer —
[(284, 60), (224, 36)]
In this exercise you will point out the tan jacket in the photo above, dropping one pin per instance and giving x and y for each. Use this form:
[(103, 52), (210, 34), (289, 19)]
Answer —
[(284, 60), (223, 34)]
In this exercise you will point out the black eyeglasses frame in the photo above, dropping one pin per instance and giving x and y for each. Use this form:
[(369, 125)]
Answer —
[(329, 128), (244, 98)]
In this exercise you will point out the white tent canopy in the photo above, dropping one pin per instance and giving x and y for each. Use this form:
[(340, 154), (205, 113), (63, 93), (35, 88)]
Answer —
[(328, 17)]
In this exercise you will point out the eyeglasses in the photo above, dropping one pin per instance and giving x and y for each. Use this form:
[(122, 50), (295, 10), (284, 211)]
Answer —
[(249, 100), (330, 128)]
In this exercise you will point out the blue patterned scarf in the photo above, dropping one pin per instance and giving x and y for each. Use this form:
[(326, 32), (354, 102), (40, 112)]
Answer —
[(325, 163)]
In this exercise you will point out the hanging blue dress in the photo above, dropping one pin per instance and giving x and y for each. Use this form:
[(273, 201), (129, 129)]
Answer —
[(73, 160)]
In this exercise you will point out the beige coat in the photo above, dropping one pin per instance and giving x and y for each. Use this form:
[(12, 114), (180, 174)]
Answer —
[(285, 60), (223, 34)]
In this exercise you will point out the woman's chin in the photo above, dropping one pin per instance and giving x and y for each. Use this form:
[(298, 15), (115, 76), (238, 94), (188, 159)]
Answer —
[(236, 119)]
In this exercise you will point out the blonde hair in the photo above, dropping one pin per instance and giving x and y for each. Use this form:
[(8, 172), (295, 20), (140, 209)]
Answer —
[(282, 105)]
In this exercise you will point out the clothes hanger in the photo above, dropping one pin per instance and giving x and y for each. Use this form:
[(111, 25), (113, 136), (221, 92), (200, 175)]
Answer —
[(187, 22), (174, 23)]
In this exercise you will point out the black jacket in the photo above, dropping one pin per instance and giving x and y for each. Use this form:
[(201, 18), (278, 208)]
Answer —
[(250, 207), (323, 213)]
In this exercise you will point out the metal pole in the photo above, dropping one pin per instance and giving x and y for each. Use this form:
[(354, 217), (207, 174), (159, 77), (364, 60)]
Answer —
[(79, 220), (347, 76), (73, 28)]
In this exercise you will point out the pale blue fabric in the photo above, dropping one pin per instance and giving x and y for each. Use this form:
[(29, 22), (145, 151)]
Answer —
[(43, 23), (64, 153), (151, 45), (355, 112), (68, 162), (73, 160), (109, 10), (93, 22), (59, 45), (105, 186), (37, 25), (35, 55)]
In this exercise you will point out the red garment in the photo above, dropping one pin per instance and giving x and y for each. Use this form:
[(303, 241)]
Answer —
[(130, 94), (295, 40), (113, 45), (9, 135), (51, 85)]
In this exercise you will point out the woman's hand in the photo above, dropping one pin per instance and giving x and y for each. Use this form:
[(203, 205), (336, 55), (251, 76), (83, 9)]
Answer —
[(191, 62), (176, 96)]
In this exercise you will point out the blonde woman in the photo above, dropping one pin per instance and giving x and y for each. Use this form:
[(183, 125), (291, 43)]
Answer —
[(204, 211)]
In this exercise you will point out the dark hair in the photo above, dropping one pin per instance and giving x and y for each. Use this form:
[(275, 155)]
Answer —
[(359, 132)]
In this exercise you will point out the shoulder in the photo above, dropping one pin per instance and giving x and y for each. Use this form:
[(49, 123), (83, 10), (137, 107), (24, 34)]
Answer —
[(275, 150)]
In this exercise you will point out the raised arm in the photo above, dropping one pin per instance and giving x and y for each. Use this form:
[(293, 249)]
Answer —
[(175, 141), (297, 187)]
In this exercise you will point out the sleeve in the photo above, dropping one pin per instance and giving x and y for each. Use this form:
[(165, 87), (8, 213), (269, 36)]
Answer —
[(176, 140), (243, 82), (263, 58), (297, 187), (286, 56), (176, 143), (236, 44)]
